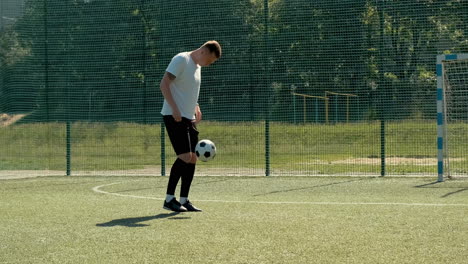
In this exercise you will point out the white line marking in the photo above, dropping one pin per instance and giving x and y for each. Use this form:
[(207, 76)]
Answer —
[(97, 189)]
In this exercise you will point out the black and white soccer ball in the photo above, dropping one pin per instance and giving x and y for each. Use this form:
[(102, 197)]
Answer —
[(205, 150)]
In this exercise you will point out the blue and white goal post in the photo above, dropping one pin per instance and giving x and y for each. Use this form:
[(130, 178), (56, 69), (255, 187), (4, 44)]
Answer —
[(443, 168)]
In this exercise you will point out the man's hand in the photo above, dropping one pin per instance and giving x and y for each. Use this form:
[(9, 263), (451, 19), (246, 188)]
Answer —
[(198, 114), (176, 115)]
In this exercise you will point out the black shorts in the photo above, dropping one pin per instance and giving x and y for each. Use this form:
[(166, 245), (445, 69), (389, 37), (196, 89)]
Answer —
[(183, 134)]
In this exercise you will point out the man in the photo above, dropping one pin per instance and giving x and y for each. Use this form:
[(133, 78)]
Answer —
[(180, 87)]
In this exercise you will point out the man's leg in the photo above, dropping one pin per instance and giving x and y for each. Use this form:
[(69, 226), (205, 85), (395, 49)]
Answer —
[(187, 178), (180, 169), (176, 172), (178, 135)]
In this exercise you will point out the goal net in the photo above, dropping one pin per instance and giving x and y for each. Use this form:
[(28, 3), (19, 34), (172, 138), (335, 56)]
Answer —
[(452, 74)]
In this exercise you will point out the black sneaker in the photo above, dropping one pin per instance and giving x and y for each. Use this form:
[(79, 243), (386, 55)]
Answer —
[(190, 207), (174, 205)]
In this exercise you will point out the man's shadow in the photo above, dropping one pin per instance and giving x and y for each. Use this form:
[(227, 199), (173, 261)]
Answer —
[(136, 221)]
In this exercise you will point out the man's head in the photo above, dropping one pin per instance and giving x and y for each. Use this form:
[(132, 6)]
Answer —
[(209, 53)]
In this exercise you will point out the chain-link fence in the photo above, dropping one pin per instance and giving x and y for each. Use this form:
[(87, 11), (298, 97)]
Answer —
[(303, 87)]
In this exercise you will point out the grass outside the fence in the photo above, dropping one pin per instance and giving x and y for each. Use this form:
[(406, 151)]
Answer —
[(311, 147), (252, 220)]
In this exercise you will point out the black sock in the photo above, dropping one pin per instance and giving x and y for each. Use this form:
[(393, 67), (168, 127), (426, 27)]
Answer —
[(176, 172), (187, 178)]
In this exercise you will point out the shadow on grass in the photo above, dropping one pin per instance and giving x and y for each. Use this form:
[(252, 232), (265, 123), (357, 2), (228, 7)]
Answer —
[(426, 185), (454, 192), (164, 186), (307, 187), (136, 221), (432, 185)]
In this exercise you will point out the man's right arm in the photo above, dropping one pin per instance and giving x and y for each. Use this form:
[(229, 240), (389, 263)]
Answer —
[(165, 87)]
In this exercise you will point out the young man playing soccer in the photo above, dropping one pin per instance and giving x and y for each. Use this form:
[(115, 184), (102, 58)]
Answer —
[(180, 87)]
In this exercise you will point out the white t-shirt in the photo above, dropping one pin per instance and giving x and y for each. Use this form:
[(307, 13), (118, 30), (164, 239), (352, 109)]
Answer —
[(186, 86)]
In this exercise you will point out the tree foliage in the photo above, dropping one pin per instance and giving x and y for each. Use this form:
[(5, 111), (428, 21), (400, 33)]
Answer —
[(101, 60)]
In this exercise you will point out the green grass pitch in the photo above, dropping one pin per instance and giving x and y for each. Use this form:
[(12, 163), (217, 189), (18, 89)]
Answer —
[(245, 220)]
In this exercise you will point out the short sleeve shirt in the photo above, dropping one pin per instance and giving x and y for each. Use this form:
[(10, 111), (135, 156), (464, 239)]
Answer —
[(185, 88)]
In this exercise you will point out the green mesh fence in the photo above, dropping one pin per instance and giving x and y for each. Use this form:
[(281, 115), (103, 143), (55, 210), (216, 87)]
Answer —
[(303, 87)]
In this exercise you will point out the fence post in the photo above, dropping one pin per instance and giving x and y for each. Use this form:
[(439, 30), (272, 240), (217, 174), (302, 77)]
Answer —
[(381, 89), (68, 148), (267, 95), (163, 150)]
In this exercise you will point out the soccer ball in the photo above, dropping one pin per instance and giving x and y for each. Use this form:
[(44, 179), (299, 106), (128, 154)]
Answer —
[(205, 150)]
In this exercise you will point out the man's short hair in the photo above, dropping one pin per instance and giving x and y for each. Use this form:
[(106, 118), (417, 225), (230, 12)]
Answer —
[(214, 47)]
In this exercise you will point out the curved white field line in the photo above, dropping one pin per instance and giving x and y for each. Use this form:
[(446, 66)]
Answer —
[(97, 189)]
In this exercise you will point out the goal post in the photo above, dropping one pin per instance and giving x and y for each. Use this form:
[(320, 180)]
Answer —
[(316, 111), (347, 104), (452, 108)]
